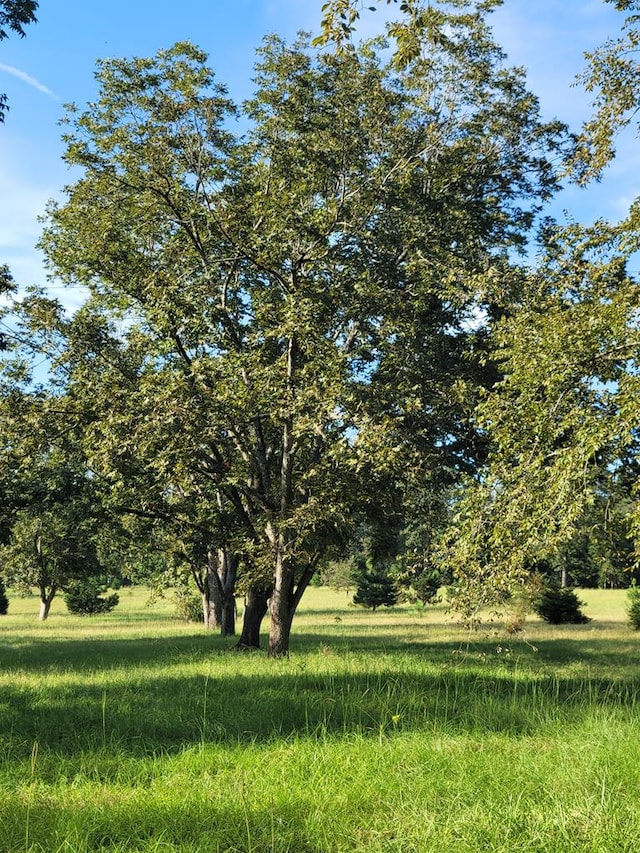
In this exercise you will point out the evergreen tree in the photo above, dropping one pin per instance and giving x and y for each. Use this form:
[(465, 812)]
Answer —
[(376, 586)]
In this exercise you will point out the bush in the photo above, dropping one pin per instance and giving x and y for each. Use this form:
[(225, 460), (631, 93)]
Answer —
[(633, 606), (559, 606), (4, 601), (516, 617), (189, 606), (85, 598)]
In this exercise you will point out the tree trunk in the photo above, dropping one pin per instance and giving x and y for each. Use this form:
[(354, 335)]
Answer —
[(228, 621), (280, 630), (207, 582), (255, 609), (280, 608), (285, 599), (211, 620), (227, 574), (45, 603), (213, 582), (217, 585)]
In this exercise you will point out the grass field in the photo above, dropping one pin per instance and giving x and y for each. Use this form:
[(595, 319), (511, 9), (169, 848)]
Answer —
[(394, 731)]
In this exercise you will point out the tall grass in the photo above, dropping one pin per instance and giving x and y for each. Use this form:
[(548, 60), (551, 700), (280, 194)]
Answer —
[(393, 732)]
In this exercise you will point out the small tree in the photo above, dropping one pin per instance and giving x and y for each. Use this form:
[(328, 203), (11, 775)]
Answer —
[(376, 587), (633, 606), (4, 601), (52, 515), (339, 574), (419, 578), (559, 606), (85, 598), (426, 585), (188, 601), (189, 607), (48, 551)]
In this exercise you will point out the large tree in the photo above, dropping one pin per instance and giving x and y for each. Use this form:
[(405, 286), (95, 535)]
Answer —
[(563, 421), (274, 316), (563, 418)]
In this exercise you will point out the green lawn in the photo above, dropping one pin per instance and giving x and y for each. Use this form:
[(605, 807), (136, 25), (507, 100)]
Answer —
[(393, 731)]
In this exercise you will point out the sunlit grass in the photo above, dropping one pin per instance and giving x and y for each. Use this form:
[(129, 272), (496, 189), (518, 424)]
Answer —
[(393, 731)]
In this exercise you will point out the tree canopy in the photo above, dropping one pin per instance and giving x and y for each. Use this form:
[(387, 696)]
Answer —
[(15, 15), (318, 312), (280, 337), (562, 422)]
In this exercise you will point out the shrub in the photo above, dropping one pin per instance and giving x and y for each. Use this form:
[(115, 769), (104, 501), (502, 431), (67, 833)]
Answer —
[(4, 601), (559, 606), (633, 606), (517, 614), (85, 598), (189, 606)]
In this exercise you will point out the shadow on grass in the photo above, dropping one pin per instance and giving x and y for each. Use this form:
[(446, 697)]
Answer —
[(40, 654), (87, 655), (138, 709), (188, 826)]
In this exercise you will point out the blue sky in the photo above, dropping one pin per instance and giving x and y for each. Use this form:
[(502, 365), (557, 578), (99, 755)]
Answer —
[(55, 63)]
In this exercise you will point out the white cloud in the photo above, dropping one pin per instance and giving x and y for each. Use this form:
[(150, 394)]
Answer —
[(28, 79)]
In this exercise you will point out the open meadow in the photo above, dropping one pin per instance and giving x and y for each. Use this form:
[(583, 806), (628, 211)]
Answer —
[(394, 731)]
